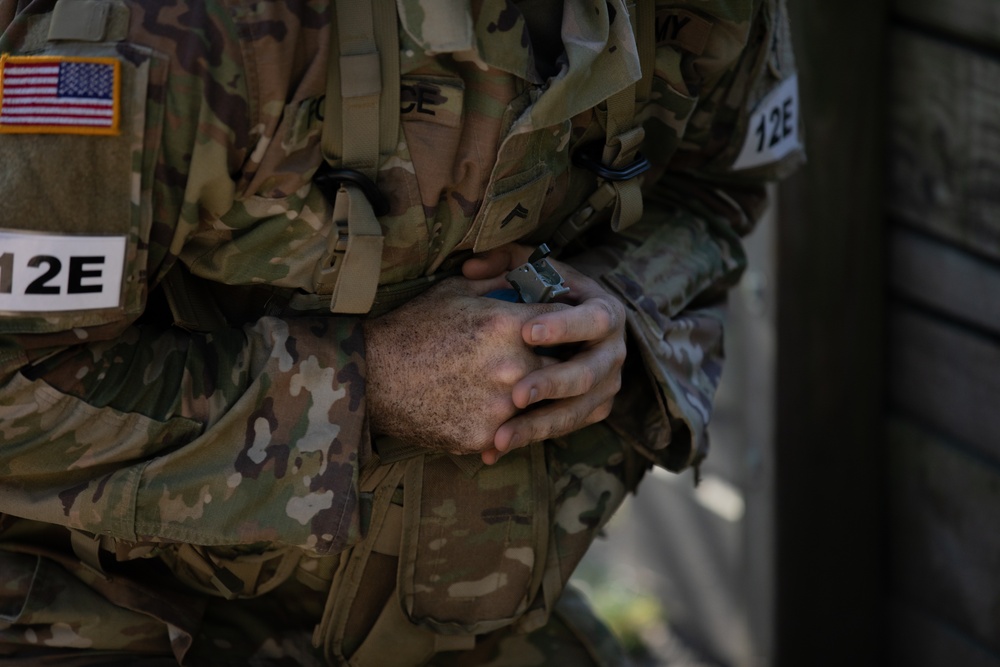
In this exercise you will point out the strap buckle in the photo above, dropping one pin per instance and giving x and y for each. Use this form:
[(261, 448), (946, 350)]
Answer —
[(328, 179), (585, 157)]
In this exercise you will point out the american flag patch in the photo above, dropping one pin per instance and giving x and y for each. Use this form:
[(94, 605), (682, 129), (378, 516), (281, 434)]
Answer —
[(59, 95)]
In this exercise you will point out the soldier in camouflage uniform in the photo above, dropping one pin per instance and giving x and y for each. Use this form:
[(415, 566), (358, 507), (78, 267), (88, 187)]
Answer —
[(228, 438)]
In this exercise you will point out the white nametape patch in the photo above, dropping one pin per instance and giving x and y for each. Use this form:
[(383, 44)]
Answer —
[(52, 272), (773, 132)]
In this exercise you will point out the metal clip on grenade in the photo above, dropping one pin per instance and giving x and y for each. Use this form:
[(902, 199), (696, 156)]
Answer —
[(535, 281)]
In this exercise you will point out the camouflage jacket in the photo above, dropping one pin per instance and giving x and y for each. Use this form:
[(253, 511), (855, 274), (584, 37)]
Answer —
[(116, 422)]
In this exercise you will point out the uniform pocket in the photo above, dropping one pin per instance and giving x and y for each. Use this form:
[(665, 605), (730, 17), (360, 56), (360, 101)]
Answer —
[(78, 139), (474, 546)]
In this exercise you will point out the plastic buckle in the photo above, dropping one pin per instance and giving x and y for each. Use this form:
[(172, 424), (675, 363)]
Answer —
[(328, 180), (584, 158)]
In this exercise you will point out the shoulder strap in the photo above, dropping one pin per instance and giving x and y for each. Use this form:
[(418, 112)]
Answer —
[(620, 165), (362, 91), (623, 135), (360, 126), (644, 27)]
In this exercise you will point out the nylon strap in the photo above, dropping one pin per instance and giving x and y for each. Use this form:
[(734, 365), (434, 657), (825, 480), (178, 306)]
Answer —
[(357, 278), (362, 89), (361, 124), (390, 533), (354, 84), (643, 28), (88, 549), (623, 137), (344, 588), (396, 642), (88, 21), (83, 20), (391, 450)]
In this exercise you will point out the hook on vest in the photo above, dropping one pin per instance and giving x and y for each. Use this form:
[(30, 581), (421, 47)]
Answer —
[(328, 179)]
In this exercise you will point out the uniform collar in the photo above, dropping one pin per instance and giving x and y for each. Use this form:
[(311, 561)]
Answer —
[(599, 57)]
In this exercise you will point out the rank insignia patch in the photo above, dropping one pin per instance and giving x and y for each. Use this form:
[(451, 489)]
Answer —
[(59, 95)]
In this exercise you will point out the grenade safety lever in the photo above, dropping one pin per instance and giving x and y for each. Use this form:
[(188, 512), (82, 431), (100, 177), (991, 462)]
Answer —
[(535, 281)]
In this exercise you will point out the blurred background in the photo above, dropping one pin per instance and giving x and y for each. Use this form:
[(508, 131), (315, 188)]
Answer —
[(849, 513)]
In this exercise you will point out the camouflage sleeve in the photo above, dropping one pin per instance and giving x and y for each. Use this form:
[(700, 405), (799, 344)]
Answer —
[(116, 424), (234, 437), (721, 122)]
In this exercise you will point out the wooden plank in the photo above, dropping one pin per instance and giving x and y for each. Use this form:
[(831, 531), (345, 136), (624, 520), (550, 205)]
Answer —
[(829, 388), (977, 21), (944, 510), (917, 639), (946, 377), (945, 278), (944, 141)]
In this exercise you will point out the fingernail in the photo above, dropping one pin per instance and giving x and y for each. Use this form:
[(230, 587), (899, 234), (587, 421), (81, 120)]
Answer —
[(514, 441), (532, 396), (538, 333)]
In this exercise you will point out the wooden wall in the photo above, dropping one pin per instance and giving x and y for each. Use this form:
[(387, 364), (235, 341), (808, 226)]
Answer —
[(943, 481), (886, 468), (829, 446)]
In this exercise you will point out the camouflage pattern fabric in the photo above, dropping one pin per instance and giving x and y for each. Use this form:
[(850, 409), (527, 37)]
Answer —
[(249, 439), (574, 636)]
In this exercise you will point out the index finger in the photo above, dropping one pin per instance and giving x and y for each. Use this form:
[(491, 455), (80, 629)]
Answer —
[(495, 262), (594, 319)]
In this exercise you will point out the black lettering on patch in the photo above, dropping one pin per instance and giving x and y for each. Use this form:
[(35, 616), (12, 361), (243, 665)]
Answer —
[(431, 99), (420, 98)]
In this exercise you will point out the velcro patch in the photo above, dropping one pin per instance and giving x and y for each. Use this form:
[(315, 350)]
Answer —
[(54, 272), (685, 30), (59, 95)]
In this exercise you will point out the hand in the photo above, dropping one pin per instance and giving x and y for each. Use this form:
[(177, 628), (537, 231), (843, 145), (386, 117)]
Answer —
[(577, 391), (443, 367)]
